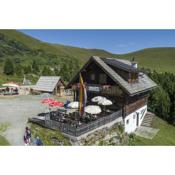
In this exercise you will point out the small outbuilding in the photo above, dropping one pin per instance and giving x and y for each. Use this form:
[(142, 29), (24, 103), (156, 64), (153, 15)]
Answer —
[(50, 84)]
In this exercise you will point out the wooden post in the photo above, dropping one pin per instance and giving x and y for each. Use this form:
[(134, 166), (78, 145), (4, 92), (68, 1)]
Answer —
[(74, 94)]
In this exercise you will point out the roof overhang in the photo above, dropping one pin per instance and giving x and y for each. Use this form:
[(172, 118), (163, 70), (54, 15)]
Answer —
[(130, 89)]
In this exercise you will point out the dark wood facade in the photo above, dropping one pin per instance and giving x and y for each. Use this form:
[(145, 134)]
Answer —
[(59, 89), (99, 83), (132, 106), (93, 74)]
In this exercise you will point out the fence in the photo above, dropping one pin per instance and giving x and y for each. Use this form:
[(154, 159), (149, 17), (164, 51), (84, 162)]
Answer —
[(79, 130)]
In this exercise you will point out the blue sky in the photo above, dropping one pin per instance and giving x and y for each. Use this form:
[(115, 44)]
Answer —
[(115, 41)]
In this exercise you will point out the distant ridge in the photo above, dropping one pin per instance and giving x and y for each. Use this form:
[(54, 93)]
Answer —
[(161, 59)]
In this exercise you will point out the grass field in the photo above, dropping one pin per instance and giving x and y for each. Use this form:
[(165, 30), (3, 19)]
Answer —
[(46, 135), (3, 141), (165, 136)]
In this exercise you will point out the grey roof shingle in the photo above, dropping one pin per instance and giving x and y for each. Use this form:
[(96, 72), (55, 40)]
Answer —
[(47, 83), (144, 82), (119, 63)]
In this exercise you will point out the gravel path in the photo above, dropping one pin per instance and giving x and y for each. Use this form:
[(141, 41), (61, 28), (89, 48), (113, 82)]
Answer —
[(16, 111)]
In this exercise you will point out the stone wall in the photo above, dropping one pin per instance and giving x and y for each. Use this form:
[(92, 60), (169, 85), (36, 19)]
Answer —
[(106, 136)]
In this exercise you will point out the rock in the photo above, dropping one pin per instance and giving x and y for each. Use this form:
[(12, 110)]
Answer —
[(115, 140), (89, 137)]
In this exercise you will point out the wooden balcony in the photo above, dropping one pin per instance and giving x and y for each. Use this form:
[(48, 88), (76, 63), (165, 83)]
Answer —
[(102, 89)]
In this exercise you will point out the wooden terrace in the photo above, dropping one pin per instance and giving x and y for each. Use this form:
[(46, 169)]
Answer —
[(73, 124)]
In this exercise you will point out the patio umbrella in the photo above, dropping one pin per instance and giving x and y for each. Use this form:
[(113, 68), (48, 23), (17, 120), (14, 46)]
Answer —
[(47, 101), (56, 104), (11, 84), (73, 105), (93, 109), (97, 98), (105, 102)]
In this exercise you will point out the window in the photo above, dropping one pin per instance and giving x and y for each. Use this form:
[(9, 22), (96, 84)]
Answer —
[(92, 76), (142, 112), (102, 79), (134, 116), (127, 121)]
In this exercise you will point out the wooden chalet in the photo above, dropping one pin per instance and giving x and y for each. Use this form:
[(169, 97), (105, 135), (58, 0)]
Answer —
[(50, 84), (121, 82)]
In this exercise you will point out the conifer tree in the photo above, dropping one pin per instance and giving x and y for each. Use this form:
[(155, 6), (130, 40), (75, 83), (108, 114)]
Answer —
[(8, 67)]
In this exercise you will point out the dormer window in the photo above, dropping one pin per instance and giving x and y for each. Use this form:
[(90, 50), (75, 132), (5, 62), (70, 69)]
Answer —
[(92, 77)]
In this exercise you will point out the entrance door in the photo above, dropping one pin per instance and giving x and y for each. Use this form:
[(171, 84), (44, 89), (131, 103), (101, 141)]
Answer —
[(137, 119)]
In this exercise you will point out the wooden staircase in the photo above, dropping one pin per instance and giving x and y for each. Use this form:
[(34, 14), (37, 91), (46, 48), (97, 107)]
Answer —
[(147, 121)]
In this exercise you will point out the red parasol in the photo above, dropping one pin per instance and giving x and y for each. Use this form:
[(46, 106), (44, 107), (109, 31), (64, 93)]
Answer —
[(56, 104), (47, 101)]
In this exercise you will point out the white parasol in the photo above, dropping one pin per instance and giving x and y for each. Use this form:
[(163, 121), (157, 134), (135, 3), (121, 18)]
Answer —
[(73, 105), (11, 85), (105, 102), (93, 109), (97, 98)]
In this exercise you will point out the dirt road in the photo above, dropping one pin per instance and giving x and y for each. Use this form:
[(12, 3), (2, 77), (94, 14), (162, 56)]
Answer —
[(15, 111)]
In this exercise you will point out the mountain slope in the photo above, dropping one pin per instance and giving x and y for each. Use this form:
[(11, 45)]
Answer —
[(57, 49), (19, 45), (24, 50), (159, 59)]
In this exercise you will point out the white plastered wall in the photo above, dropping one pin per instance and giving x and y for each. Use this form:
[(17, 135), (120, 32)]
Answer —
[(130, 121)]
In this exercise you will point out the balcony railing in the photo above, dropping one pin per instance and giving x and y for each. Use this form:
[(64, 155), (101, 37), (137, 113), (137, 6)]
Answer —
[(79, 130), (97, 88)]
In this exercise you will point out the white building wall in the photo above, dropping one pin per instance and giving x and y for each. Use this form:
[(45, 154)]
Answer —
[(130, 121)]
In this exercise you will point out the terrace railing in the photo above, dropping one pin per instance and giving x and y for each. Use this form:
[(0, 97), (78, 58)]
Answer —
[(81, 129)]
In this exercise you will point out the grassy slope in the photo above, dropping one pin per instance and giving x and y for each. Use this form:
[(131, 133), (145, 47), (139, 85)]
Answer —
[(57, 49), (165, 136), (46, 134), (27, 40), (160, 59), (82, 53), (3, 141)]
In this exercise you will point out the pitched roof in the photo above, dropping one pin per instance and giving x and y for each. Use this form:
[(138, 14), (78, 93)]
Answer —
[(144, 82), (47, 83), (119, 63)]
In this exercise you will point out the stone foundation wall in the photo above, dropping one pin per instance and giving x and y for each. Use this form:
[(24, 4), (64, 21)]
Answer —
[(113, 135)]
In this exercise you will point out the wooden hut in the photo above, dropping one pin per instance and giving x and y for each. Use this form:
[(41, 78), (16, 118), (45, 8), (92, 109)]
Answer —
[(120, 81), (50, 84)]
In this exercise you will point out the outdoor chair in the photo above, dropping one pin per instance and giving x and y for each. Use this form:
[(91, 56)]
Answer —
[(66, 104)]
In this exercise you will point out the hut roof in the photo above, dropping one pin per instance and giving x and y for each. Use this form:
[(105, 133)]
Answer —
[(47, 83), (144, 82), (120, 63)]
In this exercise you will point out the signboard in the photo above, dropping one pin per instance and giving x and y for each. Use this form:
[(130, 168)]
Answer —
[(94, 88)]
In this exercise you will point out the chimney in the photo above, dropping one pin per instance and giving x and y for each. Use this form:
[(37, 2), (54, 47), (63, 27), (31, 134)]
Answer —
[(133, 63)]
